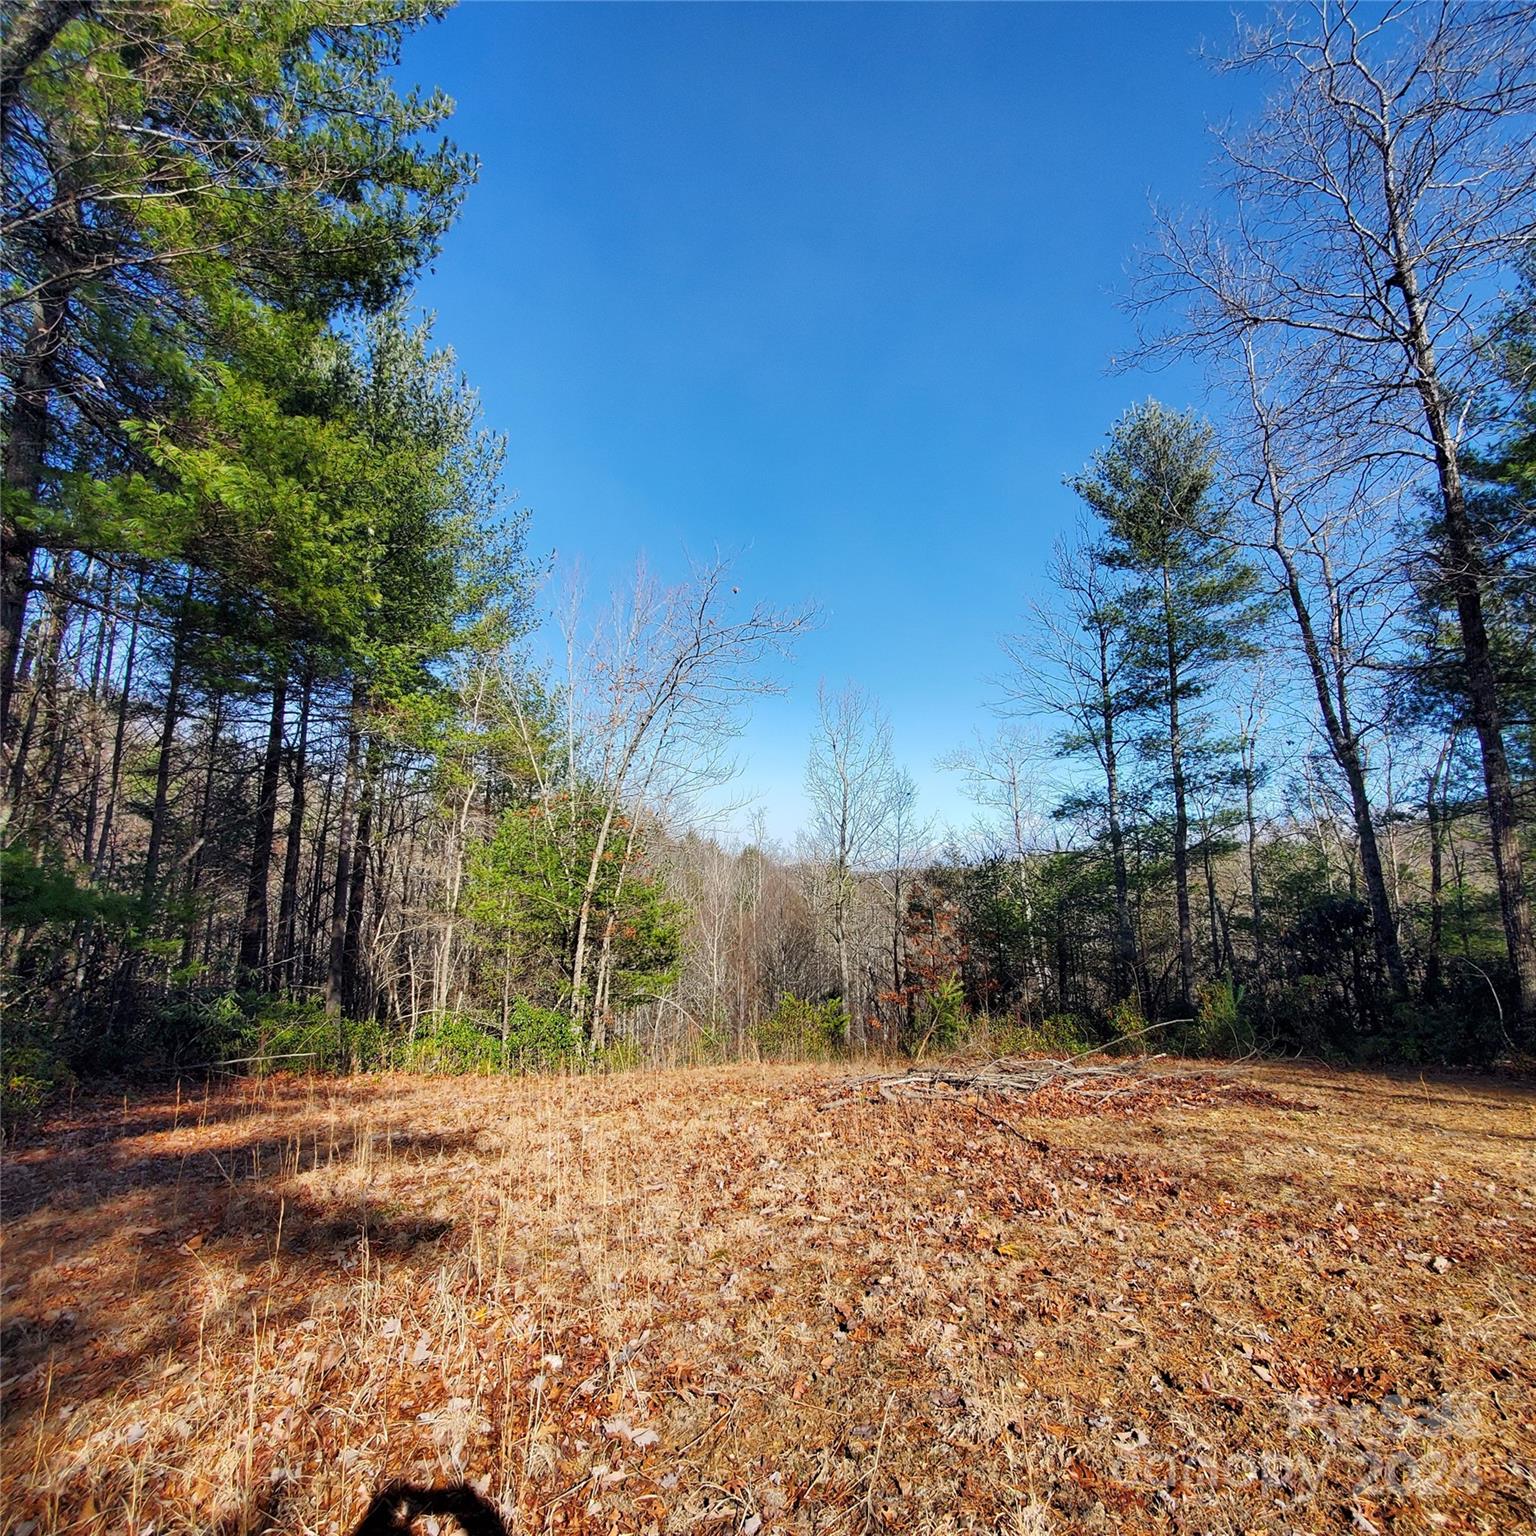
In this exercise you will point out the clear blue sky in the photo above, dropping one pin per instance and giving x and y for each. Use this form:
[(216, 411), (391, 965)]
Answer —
[(834, 286)]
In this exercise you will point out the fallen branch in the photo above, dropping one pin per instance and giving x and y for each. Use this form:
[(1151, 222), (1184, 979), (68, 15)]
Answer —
[(1007, 1077), (1021, 1079)]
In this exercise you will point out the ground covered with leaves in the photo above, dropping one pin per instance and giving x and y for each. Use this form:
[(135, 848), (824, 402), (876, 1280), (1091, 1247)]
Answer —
[(775, 1299)]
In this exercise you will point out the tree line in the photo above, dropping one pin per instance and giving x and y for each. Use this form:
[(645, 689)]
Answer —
[(1265, 768), (282, 780)]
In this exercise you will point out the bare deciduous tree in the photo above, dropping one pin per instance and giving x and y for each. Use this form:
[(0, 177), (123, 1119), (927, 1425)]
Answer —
[(854, 787), (1316, 516), (1370, 215), (651, 704), (1006, 777)]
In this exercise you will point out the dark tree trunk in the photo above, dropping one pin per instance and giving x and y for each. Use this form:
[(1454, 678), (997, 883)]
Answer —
[(307, 953), (1435, 809), (48, 696), (288, 903), (1180, 807), (1485, 710), (253, 923), (32, 33), (167, 746), (119, 741), (336, 969), (104, 655), (26, 443), (1129, 977), (362, 854), (1213, 904), (204, 809)]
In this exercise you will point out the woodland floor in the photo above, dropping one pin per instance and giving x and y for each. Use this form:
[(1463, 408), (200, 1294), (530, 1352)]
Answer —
[(755, 1299)]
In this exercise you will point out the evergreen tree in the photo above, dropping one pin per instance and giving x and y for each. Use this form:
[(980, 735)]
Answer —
[(1190, 600), (161, 162)]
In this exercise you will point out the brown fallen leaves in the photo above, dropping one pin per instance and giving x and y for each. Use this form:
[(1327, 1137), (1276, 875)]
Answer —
[(763, 1299)]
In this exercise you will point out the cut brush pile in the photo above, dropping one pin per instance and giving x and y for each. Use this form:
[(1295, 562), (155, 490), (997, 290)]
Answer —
[(1074, 1086)]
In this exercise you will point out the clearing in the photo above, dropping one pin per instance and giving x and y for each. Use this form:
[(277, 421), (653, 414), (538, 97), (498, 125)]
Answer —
[(747, 1299)]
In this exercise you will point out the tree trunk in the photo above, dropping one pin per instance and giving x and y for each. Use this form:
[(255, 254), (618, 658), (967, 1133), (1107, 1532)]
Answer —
[(1129, 979), (1213, 905), (288, 902), (453, 883), (1180, 807), (43, 648), (336, 977), (26, 443), (845, 968), (32, 34), (253, 923), (47, 694), (1345, 747), (306, 954), (204, 807), (1255, 894), (119, 741), (101, 669), (357, 898), (167, 743), (1435, 816)]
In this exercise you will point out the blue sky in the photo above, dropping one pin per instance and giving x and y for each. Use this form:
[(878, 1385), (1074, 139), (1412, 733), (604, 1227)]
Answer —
[(833, 286)]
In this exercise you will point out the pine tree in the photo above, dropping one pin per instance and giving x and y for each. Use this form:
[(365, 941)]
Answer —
[(163, 163), (1190, 599)]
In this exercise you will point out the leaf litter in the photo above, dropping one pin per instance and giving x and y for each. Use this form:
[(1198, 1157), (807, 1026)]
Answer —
[(1261, 1299)]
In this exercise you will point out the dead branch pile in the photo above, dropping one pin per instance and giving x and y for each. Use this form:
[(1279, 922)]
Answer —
[(1065, 1086)]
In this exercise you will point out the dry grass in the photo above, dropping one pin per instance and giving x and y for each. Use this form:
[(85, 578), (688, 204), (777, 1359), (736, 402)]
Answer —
[(751, 1298)]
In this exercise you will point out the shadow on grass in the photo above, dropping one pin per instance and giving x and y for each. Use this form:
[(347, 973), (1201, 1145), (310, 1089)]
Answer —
[(400, 1505), (104, 1213)]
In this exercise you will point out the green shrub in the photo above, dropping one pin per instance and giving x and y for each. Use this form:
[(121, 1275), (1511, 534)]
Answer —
[(1063, 1034), (31, 1076), (941, 1017), (453, 1044), (1221, 1028), (1444, 1034), (539, 1038), (801, 1030), (1301, 1015), (1127, 1023), (457, 1044), (302, 1037), (196, 1028), (43, 890)]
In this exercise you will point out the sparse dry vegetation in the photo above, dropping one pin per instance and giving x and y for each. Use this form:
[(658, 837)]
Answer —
[(767, 1298)]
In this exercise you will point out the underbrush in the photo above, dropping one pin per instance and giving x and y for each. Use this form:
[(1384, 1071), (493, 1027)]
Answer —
[(31, 1077), (1062, 1034), (456, 1044), (195, 1031), (803, 1031)]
